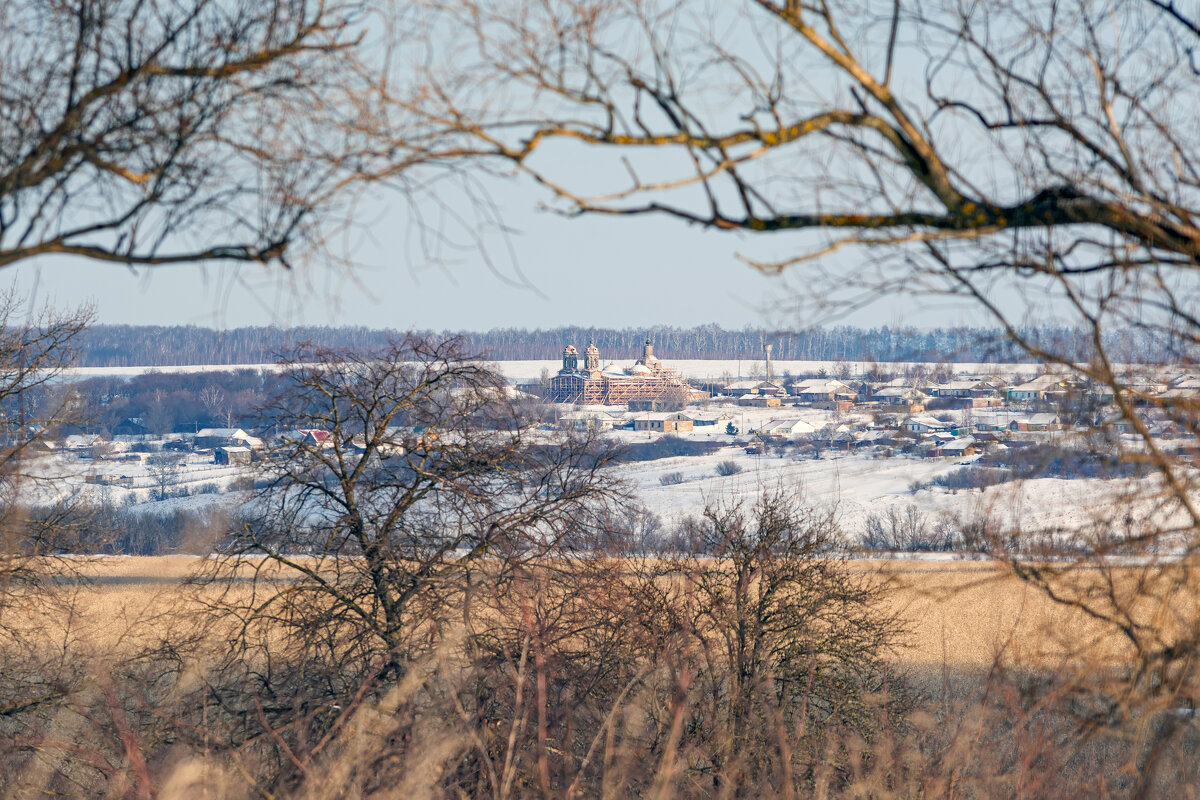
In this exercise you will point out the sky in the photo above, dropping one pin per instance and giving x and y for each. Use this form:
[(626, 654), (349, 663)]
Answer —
[(595, 272), (599, 272), (552, 271)]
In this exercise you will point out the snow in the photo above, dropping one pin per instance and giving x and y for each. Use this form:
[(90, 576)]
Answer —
[(856, 485)]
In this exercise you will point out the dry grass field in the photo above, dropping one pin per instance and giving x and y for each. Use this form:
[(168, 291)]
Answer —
[(961, 620), (959, 614)]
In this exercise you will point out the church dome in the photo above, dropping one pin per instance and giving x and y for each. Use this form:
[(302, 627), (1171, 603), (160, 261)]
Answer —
[(639, 369)]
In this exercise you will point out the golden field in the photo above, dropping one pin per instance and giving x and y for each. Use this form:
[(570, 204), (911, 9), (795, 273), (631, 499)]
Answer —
[(958, 614)]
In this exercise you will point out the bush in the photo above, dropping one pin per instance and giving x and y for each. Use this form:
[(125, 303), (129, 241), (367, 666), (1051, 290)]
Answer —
[(965, 478), (671, 479), (727, 468), (908, 530)]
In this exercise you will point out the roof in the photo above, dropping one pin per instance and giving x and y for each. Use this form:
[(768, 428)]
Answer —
[(578, 415), (787, 425), (900, 392), (820, 385), (222, 433), (1038, 384)]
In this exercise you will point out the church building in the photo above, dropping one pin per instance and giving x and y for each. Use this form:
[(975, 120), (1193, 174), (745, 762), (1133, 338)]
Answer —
[(647, 379)]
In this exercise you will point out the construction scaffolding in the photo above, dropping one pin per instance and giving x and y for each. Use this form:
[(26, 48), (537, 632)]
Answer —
[(647, 379)]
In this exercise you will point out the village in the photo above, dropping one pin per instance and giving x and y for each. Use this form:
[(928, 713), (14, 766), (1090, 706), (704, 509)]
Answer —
[(959, 415), (908, 437)]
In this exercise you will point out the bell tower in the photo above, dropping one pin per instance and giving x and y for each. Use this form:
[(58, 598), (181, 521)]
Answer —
[(592, 357), (570, 359)]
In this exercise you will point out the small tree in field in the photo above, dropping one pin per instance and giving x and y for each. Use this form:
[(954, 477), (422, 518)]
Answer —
[(791, 643), (164, 471)]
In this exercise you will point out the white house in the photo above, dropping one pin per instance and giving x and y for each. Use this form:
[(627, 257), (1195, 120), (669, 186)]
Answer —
[(1039, 388), (588, 421), (925, 424), (81, 441), (786, 427)]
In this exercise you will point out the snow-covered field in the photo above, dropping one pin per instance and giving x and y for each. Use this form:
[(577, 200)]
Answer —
[(857, 485), (134, 484)]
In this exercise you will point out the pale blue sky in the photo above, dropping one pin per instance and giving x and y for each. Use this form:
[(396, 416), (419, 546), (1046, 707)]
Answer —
[(597, 272), (603, 272)]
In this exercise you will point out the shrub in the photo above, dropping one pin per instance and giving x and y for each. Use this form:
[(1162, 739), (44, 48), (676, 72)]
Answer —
[(965, 478), (727, 468), (671, 479)]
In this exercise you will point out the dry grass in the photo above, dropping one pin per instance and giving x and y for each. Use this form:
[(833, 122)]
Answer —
[(962, 618), (959, 614)]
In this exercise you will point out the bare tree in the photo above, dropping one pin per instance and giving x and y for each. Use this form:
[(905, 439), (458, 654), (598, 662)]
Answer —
[(1028, 157), (158, 133), (216, 404), (404, 484), (164, 471), (792, 643), (40, 520)]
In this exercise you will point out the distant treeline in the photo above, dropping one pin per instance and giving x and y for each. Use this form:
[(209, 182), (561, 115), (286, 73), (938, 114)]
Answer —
[(127, 345)]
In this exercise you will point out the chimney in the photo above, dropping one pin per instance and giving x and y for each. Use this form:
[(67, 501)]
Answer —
[(767, 350)]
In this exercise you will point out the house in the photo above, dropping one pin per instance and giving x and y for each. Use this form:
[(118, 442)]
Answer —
[(899, 394), (1180, 396), (788, 428), (955, 448), (81, 441), (740, 388), (770, 389), (965, 389), (1042, 387), (1144, 387), (1036, 422), (225, 437), (911, 400), (925, 424), (874, 438), (131, 426), (588, 421), (761, 401), (232, 456), (815, 390), (314, 436), (664, 423)]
